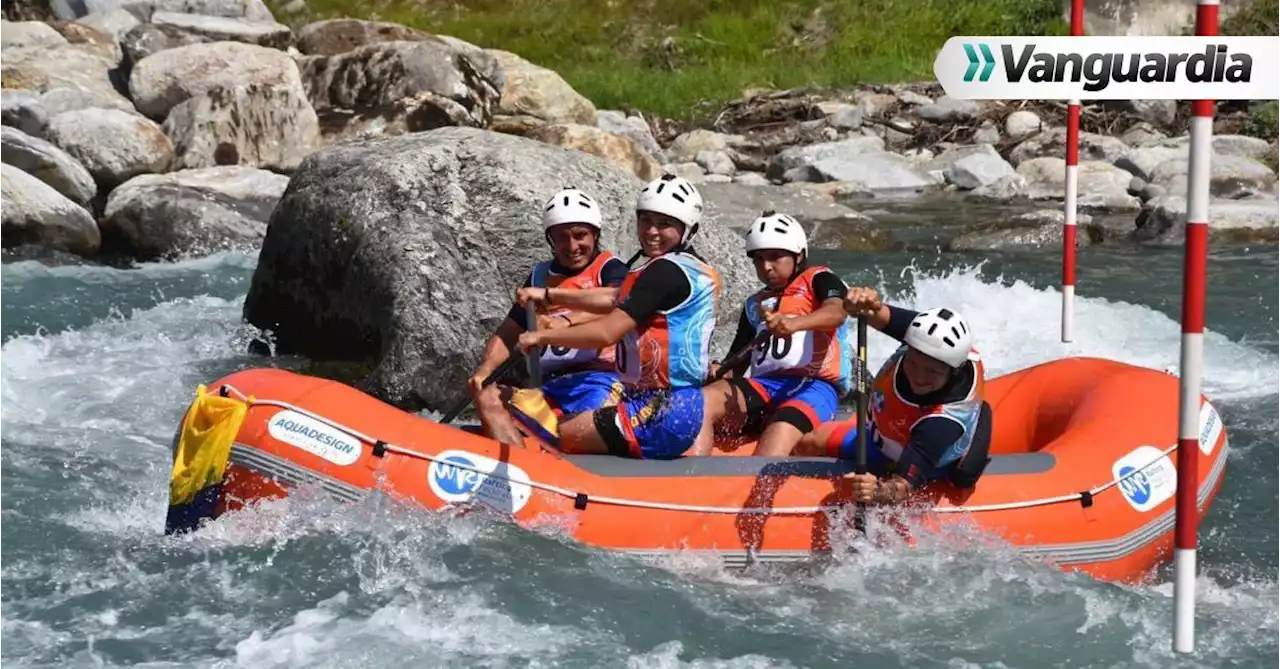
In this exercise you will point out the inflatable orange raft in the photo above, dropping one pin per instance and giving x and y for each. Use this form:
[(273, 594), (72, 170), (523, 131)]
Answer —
[(1082, 472)]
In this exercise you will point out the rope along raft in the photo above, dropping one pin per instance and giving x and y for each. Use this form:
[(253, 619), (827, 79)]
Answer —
[(379, 447)]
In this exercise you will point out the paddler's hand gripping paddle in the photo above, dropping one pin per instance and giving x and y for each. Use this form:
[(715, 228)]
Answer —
[(513, 356)]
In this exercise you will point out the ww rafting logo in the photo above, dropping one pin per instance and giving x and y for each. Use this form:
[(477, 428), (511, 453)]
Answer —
[(1147, 478), (458, 477), (1110, 68)]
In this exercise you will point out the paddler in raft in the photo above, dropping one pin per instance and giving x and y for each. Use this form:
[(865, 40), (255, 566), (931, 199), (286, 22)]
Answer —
[(576, 379), (662, 329), (797, 324), (928, 420)]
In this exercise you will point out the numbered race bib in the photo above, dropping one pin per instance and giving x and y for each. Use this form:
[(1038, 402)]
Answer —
[(628, 358), (777, 354), (559, 357)]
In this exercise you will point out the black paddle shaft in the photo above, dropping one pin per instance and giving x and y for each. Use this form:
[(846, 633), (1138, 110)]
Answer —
[(737, 358), (457, 409), (860, 377), (534, 358), (535, 369)]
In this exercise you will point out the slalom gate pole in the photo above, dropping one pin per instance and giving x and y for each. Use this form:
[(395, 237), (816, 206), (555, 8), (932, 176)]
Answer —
[(1073, 187), (1191, 364)]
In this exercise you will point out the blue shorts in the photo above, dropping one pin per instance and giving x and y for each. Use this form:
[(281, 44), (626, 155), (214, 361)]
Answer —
[(657, 424), (802, 401), (583, 391), (540, 409)]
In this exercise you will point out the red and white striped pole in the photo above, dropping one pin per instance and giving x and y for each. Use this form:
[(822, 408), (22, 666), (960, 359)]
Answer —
[(1191, 366), (1073, 173)]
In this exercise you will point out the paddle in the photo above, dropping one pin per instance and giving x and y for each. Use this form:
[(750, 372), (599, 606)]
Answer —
[(535, 368), (534, 357), (737, 358), (860, 462), (496, 374)]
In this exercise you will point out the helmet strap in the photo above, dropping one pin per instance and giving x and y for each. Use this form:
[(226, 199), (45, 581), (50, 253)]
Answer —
[(802, 263)]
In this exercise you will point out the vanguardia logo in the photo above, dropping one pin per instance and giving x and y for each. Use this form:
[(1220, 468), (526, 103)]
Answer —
[(1110, 68), (987, 58), (1100, 69)]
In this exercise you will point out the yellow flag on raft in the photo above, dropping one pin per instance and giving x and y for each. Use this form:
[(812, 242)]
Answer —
[(204, 446)]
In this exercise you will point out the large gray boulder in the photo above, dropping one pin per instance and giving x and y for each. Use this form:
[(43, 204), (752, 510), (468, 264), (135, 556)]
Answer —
[(1163, 221), (77, 67), (1230, 177), (165, 79), (49, 164), (228, 29), (250, 9), (1052, 143), (1032, 230), (36, 214), (334, 36), (254, 124), (405, 251), (113, 145), (25, 34), (190, 212), (396, 87)]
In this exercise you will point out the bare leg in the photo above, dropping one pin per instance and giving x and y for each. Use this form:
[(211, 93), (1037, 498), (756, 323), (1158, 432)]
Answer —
[(578, 435), (777, 440), (712, 409), (725, 408), (815, 443), (494, 418)]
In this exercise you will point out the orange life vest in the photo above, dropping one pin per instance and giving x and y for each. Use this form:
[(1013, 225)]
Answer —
[(813, 353), (892, 416), (560, 359)]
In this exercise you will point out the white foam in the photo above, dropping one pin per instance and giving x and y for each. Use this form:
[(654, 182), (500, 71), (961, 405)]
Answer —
[(667, 656), (1017, 326), (116, 388), (441, 628), (26, 270), (127, 374)]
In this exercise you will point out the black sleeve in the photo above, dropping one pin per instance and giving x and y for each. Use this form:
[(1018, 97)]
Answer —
[(744, 335), (930, 439), (662, 285), (899, 320), (517, 312), (827, 285), (613, 273)]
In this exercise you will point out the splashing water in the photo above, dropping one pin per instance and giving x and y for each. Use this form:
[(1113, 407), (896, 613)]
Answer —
[(90, 401)]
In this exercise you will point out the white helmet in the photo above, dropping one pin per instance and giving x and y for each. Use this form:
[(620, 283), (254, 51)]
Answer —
[(571, 206), (675, 197), (942, 335), (777, 231)]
